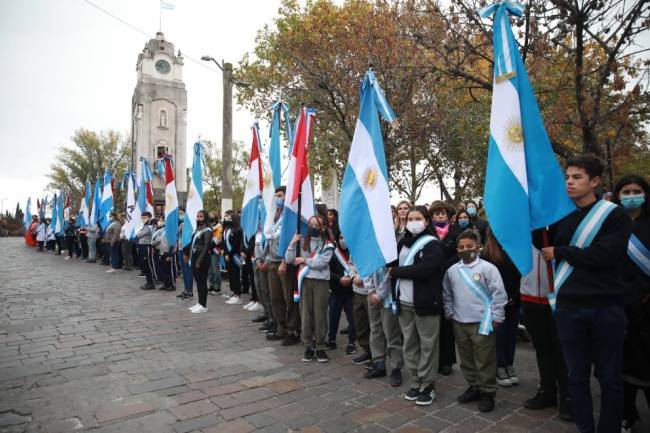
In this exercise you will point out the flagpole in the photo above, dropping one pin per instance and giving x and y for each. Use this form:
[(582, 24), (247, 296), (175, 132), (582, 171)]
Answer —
[(549, 263), (160, 18)]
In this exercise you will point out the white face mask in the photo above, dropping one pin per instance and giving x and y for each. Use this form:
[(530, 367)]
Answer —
[(415, 227)]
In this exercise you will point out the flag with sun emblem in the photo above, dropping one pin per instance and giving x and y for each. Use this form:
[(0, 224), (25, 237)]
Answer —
[(171, 204), (194, 196), (524, 184), (365, 218), (251, 204)]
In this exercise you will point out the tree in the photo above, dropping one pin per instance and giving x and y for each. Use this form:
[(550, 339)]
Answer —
[(18, 214), (212, 174), (88, 157)]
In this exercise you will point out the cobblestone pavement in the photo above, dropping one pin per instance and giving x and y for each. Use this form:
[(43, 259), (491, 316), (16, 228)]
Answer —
[(81, 350)]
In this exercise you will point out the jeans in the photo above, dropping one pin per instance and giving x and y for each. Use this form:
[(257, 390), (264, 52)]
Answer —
[(92, 249), (507, 337), (594, 335), (115, 255), (337, 303), (214, 272), (187, 273)]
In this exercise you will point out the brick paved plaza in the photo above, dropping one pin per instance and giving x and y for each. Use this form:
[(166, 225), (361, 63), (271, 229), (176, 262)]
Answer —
[(81, 350)]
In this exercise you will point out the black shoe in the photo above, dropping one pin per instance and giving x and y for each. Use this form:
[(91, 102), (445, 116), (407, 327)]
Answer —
[(350, 349), (148, 286), (168, 288), (375, 373), (274, 337), (309, 355), (321, 356), (541, 401), (426, 396), (396, 378), (412, 394), (344, 331), (259, 319), (446, 370), (364, 358), (330, 345), (181, 295), (486, 404), (370, 365), (266, 326), (566, 413), (290, 340), (128, 269), (186, 295), (470, 394)]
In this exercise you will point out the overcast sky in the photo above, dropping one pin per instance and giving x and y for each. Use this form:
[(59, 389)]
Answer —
[(67, 65)]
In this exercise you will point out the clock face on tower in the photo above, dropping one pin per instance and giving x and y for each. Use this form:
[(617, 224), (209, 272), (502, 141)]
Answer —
[(162, 66)]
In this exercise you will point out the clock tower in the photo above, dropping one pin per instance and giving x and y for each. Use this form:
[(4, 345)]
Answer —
[(158, 114)]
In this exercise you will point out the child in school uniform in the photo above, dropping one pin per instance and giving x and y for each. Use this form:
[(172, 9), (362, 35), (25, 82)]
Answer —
[(474, 298)]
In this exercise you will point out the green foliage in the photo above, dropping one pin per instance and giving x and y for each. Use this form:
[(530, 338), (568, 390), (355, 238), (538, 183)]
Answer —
[(212, 175)]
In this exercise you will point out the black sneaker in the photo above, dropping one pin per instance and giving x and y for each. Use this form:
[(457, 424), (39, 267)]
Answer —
[(290, 340), (375, 373), (321, 356), (471, 394), (331, 345), (540, 401), (364, 358), (486, 404), (412, 394), (396, 378), (148, 286), (187, 295), (351, 349), (309, 355), (426, 396), (266, 326), (260, 319), (274, 337), (566, 413), (445, 370), (181, 295)]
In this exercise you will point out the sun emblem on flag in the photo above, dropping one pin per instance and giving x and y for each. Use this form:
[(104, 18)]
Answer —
[(169, 198), (514, 134), (370, 176), (190, 193), (266, 180)]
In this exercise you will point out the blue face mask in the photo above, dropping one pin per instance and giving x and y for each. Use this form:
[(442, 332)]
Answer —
[(632, 201), (279, 202), (463, 224), (471, 211)]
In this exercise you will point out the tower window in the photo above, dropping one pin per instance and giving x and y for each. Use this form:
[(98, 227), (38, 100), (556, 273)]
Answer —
[(162, 120), (161, 151)]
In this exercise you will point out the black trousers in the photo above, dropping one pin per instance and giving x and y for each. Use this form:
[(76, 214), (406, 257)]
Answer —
[(550, 361), (201, 277), (143, 254), (69, 245), (447, 344), (234, 276)]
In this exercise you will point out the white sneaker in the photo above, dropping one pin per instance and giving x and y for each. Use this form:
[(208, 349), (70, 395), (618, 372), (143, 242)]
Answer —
[(512, 375), (66, 258), (235, 300), (194, 306), (249, 305), (256, 308), (502, 377), (226, 294), (199, 310)]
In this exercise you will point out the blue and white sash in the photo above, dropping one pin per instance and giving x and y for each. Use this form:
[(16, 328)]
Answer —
[(345, 264), (486, 321), (304, 270), (197, 235), (235, 257), (639, 254), (582, 238), (415, 249)]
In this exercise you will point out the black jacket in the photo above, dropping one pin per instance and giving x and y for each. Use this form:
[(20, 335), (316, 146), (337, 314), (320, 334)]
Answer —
[(236, 241), (596, 277), (336, 273), (426, 273), (511, 279), (201, 247)]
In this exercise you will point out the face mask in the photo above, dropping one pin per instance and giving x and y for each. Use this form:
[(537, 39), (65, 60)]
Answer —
[(415, 227), (463, 224), (468, 256), (632, 201), (279, 202), (343, 245), (314, 232), (471, 211), (181, 217), (440, 223), (161, 224)]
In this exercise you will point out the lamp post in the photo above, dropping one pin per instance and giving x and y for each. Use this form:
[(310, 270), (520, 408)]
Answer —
[(226, 144)]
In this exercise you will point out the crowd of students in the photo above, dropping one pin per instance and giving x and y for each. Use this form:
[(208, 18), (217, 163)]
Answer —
[(453, 291)]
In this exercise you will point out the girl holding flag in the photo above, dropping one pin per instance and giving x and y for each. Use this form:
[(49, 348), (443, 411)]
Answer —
[(233, 238), (418, 296), (313, 285)]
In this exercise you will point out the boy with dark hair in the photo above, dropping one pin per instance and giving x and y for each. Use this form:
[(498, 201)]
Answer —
[(589, 246)]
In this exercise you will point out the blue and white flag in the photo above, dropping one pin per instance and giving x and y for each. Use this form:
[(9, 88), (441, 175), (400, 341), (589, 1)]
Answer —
[(145, 185), (194, 196), (524, 184), (171, 204), (27, 219), (106, 206), (132, 213), (166, 5), (60, 217), (275, 159), (96, 202), (365, 218), (251, 204), (83, 219), (54, 214), (299, 185)]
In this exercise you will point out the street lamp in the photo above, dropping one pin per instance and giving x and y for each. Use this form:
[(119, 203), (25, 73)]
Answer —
[(226, 144)]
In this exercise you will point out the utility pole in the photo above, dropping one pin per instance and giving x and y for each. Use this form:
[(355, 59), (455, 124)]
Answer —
[(226, 145)]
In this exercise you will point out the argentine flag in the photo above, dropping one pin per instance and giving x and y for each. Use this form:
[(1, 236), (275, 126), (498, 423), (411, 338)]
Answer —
[(132, 210), (106, 205), (194, 196), (524, 184), (27, 219), (171, 204), (94, 211), (365, 219), (84, 211), (251, 204), (145, 185), (275, 159), (298, 184), (54, 214), (60, 219)]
